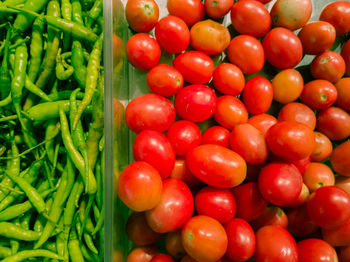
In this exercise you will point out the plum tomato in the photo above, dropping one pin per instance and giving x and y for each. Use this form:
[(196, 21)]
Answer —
[(319, 94), (339, 236), (228, 79), (173, 244), (302, 198), (196, 103), (254, 12), (345, 52), (287, 86), (216, 166), (343, 182), (204, 233), (174, 208), (196, 67), (140, 186), (299, 222), (216, 135), (241, 240), (298, 112), (142, 16), (329, 66), (142, 254), (318, 175), (143, 51), (316, 250), (247, 53), (283, 49), (301, 164), (262, 122), (272, 215), (181, 172), (217, 9), (340, 159), (344, 254), (162, 258), (343, 99), (280, 183), (337, 13), (191, 11)]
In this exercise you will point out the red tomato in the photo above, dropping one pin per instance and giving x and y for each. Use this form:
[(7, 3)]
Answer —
[(340, 159), (241, 240), (142, 254), (254, 12), (204, 233), (298, 112), (142, 16), (329, 207), (216, 166), (181, 172), (258, 94), (191, 11), (344, 254), (337, 13), (283, 48), (274, 243), (303, 197), (173, 244), (250, 203), (195, 66), (216, 203), (162, 258), (323, 147), (172, 34), (118, 50), (280, 183), (317, 37), (299, 222), (343, 182), (301, 164), (118, 115), (318, 175), (287, 86), (142, 51), (345, 52), (328, 66), (228, 79), (272, 215), (151, 112), (217, 9), (319, 94), (316, 250), (140, 186), (262, 122), (230, 111), (216, 135), (247, 53), (174, 209), (339, 236), (155, 148), (343, 99), (195, 103)]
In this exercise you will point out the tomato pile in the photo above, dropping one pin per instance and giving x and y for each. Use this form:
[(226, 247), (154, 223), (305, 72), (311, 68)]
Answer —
[(268, 177)]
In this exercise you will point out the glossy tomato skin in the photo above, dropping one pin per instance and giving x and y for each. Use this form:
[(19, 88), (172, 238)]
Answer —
[(337, 13), (345, 52), (343, 182), (142, 254), (282, 47), (241, 240), (228, 79), (299, 222), (196, 67), (247, 53), (142, 16), (196, 103), (302, 198), (329, 66), (339, 236), (216, 166), (271, 215), (316, 250), (318, 175), (174, 208), (274, 243), (217, 135), (343, 99), (262, 122), (217, 9), (181, 172), (340, 159), (287, 86), (204, 233), (319, 94), (323, 147), (162, 258), (298, 112), (191, 11), (173, 244)]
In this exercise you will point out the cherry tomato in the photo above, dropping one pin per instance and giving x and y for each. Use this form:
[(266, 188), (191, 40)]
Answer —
[(247, 53), (298, 112), (343, 182), (339, 236), (271, 215), (329, 66), (301, 164), (344, 254), (204, 233), (316, 250), (142, 16), (196, 67), (318, 175), (345, 52), (287, 86), (118, 50), (118, 114), (340, 159), (302, 198), (162, 258), (262, 122), (337, 13), (142, 254), (343, 99), (283, 49), (191, 11), (195, 103), (216, 166), (174, 209), (274, 243), (217, 9), (216, 135), (299, 222), (319, 94), (140, 186), (181, 172), (228, 79), (323, 147), (241, 240), (173, 244)]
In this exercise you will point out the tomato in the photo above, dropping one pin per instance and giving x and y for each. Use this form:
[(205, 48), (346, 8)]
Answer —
[(258, 95), (210, 37), (195, 66), (344, 254), (140, 186), (283, 49), (118, 50), (188, 259), (155, 149), (174, 209), (287, 86), (151, 112), (339, 236), (162, 258), (329, 207), (271, 215), (302, 198), (329, 66), (250, 203), (191, 11), (250, 143), (172, 34), (217, 135), (254, 12), (195, 103), (173, 244), (230, 111), (274, 243), (247, 53), (118, 114), (142, 16), (142, 51), (142, 254), (345, 52), (343, 99), (262, 122), (204, 233), (316, 250), (290, 140), (323, 147), (216, 166), (301, 164), (343, 182), (216, 203), (299, 113), (181, 172), (334, 123), (317, 37), (340, 159), (337, 13), (241, 240), (280, 183), (299, 222), (217, 9), (228, 79), (139, 232), (318, 175), (319, 94)]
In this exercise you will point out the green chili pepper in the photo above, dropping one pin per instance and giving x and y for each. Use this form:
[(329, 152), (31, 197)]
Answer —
[(71, 206), (10, 230), (5, 252), (14, 243), (5, 79), (66, 14), (26, 254), (61, 72), (74, 248), (94, 12), (36, 49), (90, 243), (6, 101)]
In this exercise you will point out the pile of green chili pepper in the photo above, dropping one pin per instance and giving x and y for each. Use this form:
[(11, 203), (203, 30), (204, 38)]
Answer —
[(51, 131)]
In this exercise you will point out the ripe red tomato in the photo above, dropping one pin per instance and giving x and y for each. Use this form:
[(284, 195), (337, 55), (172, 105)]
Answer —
[(323, 147), (271, 215), (174, 208), (217, 9), (204, 233), (181, 172), (142, 254), (162, 258), (329, 66), (262, 122), (318, 175), (298, 112), (216, 135), (299, 222), (247, 53), (173, 244), (241, 240), (301, 164), (319, 94), (228, 79), (302, 198), (344, 254), (340, 159), (287, 86), (216, 166), (343, 99), (343, 182), (337, 13), (283, 49), (316, 250), (140, 186), (195, 103), (345, 52), (196, 67), (191, 11), (142, 16), (339, 236)]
